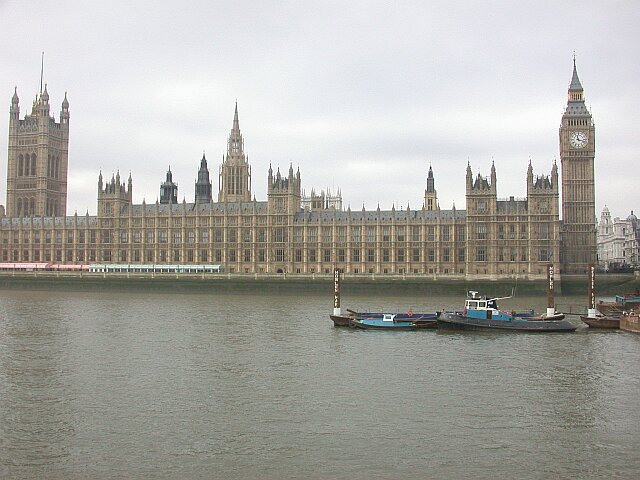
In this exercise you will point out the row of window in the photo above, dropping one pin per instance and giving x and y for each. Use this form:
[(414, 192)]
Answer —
[(27, 165), (26, 207), (279, 255)]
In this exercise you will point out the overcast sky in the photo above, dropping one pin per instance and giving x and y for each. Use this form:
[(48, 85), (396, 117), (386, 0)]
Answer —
[(361, 96)]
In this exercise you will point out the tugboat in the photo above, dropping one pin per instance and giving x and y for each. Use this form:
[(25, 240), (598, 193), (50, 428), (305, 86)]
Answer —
[(482, 313), (594, 318)]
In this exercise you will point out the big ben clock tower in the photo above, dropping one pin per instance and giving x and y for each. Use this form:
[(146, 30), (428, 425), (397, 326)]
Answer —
[(577, 153)]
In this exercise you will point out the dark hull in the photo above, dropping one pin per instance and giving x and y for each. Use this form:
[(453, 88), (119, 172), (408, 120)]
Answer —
[(432, 324), (405, 317), (601, 322), (454, 321), (341, 320)]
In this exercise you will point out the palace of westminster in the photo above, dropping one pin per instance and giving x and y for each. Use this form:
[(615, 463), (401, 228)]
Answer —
[(293, 233)]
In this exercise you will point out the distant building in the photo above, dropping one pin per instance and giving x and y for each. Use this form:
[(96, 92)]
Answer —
[(618, 242), (290, 232)]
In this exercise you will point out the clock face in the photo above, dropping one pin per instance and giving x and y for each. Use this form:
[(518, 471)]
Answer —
[(578, 139)]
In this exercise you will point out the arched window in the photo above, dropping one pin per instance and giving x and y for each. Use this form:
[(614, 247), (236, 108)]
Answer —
[(33, 165), (49, 166), (20, 165), (19, 208), (57, 171), (32, 206)]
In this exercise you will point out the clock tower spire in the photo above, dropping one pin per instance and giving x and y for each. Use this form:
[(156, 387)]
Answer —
[(577, 154)]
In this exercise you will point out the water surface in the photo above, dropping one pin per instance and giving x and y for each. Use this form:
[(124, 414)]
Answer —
[(113, 385)]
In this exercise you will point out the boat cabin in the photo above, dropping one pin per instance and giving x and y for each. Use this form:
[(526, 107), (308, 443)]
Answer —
[(485, 308)]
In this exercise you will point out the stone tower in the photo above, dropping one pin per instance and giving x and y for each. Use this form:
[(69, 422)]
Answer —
[(203, 183), (482, 205), (169, 189), (113, 195), (235, 172), (283, 193), (38, 159), (430, 194), (543, 208), (577, 153)]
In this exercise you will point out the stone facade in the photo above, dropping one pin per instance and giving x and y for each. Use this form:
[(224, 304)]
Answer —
[(577, 154), (289, 233), (37, 159), (618, 242)]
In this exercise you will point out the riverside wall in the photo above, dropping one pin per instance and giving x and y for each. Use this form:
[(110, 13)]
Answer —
[(606, 285)]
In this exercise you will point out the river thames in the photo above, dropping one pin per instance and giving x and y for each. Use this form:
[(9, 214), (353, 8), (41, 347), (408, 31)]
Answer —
[(237, 386)]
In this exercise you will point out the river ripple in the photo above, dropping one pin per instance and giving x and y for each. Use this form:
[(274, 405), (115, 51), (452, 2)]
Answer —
[(112, 385)]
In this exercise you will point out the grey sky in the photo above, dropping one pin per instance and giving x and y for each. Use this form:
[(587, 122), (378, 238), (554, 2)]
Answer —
[(361, 96)]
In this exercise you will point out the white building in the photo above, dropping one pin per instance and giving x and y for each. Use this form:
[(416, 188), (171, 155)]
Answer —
[(618, 241)]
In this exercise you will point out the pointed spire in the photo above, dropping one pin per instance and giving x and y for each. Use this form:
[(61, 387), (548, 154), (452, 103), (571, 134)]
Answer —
[(575, 81), (236, 123)]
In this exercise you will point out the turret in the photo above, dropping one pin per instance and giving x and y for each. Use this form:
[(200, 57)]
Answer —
[(203, 183), (64, 113), (114, 196), (14, 110), (430, 195), (284, 193), (169, 190)]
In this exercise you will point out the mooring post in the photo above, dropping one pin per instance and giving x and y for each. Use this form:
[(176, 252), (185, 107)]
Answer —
[(336, 292), (551, 309), (591, 291)]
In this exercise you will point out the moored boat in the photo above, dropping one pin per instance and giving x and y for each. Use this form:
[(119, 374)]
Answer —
[(341, 320), (390, 321), (483, 314), (408, 320), (623, 302), (601, 321), (630, 321)]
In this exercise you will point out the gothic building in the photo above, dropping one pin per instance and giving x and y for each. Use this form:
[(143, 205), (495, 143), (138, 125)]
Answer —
[(37, 159), (494, 237), (577, 153)]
